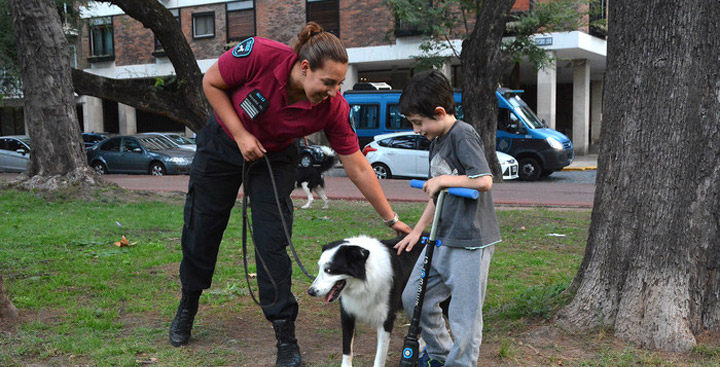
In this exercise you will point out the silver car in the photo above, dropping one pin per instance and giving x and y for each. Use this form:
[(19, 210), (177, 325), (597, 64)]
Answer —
[(14, 153), (178, 140)]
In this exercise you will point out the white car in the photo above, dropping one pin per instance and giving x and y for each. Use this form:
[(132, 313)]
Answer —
[(406, 154)]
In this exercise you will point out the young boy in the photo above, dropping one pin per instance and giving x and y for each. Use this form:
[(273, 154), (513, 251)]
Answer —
[(468, 228)]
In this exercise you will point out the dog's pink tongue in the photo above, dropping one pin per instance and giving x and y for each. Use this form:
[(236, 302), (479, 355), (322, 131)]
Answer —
[(328, 297)]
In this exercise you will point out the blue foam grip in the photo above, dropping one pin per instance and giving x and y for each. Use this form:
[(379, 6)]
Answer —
[(456, 191)]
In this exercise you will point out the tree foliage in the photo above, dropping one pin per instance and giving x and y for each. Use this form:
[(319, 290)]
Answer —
[(442, 21)]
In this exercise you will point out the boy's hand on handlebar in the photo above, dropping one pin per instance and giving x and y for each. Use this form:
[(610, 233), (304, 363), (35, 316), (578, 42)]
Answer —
[(407, 243), (433, 186)]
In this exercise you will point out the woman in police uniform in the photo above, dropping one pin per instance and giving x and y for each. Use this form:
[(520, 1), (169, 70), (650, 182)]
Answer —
[(265, 95)]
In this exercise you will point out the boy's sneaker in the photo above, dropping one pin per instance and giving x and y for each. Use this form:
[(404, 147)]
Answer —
[(425, 361)]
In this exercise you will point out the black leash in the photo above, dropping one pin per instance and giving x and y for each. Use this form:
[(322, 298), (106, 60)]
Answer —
[(246, 227)]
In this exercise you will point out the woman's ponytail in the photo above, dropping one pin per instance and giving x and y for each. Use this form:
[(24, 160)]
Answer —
[(315, 45)]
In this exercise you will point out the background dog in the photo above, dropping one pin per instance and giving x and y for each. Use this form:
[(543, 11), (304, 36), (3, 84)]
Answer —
[(312, 178), (369, 277)]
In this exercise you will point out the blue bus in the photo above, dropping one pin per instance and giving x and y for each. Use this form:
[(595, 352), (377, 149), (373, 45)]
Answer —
[(540, 150)]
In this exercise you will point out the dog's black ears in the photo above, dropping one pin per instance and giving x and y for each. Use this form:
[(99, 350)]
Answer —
[(355, 257), (333, 244)]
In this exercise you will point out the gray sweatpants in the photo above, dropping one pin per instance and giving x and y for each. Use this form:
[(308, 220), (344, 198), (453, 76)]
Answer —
[(462, 274)]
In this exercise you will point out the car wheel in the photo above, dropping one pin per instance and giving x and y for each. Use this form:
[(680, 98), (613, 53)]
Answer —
[(530, 169), (157, 169), (99, 168), (381, 171), (306, 160)]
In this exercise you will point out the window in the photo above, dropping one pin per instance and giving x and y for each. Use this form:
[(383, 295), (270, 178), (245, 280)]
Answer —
[(365, 116), (326, 13), (240, 20), (101, 39), (112, 145), (598, 18), (130, 144), (158, 46), (404, 28), (404, 142), (395, 120), (204, 25)]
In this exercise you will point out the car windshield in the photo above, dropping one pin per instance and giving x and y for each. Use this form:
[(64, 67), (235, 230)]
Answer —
[(155, 143), (179, 139), (522, 109), (26, 141)]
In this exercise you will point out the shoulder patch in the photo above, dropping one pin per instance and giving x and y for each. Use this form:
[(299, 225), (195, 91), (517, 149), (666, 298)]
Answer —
[(243, 48)]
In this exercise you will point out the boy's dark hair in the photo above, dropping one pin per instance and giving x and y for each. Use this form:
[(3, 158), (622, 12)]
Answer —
[(425, 92)]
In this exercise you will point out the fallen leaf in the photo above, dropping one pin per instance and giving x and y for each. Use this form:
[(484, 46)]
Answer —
[(123, 243)]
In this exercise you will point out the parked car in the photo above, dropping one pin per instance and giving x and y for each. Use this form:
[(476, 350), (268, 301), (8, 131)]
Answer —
[(311, 154), (406, 154), (92, 138), (180, 141), (144, 154), (14, 153)]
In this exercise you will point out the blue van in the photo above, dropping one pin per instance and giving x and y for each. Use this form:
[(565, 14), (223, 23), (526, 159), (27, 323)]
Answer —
[(539, 150)]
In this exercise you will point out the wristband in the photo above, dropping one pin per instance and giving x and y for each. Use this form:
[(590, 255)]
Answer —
[(391, 222)]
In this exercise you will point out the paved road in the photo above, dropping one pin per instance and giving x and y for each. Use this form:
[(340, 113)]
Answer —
[(561, 189)]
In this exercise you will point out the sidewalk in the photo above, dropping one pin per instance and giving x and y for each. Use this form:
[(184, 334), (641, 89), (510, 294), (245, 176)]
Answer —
[(583, 163)]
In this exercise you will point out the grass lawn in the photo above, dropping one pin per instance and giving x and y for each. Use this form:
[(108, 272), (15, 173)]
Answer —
[(86, 302)]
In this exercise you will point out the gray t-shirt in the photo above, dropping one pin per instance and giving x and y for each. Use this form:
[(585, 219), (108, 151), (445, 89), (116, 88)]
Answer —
[(464, 222)]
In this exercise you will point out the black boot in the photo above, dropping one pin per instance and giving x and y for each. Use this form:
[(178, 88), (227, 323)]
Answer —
[(288, 351), (182, 324)]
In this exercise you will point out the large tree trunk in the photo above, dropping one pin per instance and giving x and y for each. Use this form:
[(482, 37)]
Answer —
[(58, 153), (483, 62), (7, 309), (650, 269), (184, 101)]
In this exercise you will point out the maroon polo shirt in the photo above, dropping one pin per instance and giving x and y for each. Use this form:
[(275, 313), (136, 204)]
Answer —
[(263, 64)]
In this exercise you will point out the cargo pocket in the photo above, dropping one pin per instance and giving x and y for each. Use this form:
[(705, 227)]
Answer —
[(189, 203)]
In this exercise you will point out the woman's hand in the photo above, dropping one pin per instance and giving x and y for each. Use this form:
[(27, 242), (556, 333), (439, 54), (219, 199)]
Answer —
[(408, 242), (401, 228), (250, 147)]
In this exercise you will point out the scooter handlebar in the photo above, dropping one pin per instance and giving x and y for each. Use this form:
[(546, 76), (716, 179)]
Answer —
[(457, 191)]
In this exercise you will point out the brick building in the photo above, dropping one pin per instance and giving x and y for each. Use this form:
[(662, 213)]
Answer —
[(567, 94)]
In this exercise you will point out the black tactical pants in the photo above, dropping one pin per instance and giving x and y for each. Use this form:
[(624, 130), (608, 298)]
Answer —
[(216, 176)]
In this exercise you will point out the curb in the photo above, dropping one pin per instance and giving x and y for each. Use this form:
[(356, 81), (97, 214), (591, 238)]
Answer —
[(586, 168)]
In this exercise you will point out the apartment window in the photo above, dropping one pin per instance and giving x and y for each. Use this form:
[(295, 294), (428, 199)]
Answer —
[(204, 25), (158, 46), (404, 28), (326, 13), (598, 18), (240, 20), (101, 39)]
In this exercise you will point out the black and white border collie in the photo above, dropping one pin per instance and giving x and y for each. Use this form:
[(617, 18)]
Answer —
[(368, 276), (312, 178)]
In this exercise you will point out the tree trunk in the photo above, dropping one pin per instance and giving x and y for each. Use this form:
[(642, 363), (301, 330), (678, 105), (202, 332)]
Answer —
[(58, 152), (7, 309), (483, 62), (650, 269), (184, 102)]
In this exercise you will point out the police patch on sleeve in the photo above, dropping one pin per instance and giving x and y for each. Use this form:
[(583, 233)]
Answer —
[(243, 48)]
